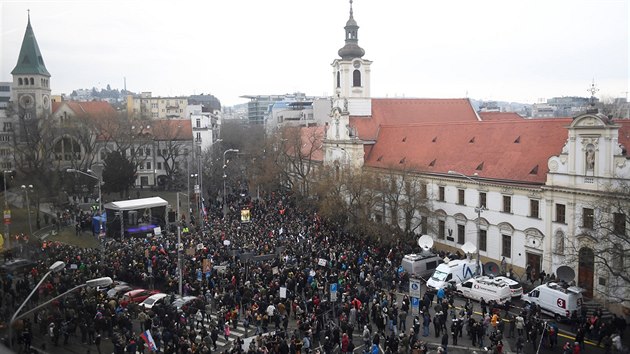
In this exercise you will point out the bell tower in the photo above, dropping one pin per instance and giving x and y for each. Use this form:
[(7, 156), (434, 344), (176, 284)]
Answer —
[(351, 80), (31, 80), (351, 73)]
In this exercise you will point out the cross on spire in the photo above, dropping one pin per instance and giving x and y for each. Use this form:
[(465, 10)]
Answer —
[(350, 8), (29, 15), (593, 90)]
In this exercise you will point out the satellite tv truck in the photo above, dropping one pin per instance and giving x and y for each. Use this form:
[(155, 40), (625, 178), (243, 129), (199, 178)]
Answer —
[(420, 265), (423, 264), (452, 273)]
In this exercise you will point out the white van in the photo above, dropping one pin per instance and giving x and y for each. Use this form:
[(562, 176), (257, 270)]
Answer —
[(486, 288), (453, 272), (556, 300), (420, 265), (515, 287)]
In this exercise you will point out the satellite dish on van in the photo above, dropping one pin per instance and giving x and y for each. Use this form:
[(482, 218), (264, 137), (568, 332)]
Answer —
[(425, 242), (565, 273), (491, 268), (468, 247)]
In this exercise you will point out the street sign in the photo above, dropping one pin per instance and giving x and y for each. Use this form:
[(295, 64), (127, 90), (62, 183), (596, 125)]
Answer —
[(415, 306), (333, 292), (7, 216), (197, 189), (414, 287)]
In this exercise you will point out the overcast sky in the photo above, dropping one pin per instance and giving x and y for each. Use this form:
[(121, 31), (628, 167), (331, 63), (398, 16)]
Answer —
[(493, 50)]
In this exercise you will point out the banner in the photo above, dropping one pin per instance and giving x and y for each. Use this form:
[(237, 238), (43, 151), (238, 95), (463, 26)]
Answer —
[(245, 215)]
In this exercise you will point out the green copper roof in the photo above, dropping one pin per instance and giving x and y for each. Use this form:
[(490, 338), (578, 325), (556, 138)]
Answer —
[(30, 60)]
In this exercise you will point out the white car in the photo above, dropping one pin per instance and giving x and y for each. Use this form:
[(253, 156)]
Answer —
[(515, 287), (149, 302)]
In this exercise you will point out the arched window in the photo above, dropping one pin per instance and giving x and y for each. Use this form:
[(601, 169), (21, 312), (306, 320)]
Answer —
[(356, 78), (338, 79), (26, 81), (32, 81), (20, 81)]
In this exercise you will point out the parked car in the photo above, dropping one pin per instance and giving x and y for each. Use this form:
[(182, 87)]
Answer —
[(137, 296), (17, 265), (152, 300), (117, 290), (187, 303)]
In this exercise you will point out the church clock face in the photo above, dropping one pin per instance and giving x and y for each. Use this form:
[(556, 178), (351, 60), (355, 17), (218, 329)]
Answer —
[(27, 101), (46, 101), (357, 64)]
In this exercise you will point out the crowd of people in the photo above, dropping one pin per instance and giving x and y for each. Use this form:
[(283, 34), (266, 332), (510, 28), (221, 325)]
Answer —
[(260, 276)]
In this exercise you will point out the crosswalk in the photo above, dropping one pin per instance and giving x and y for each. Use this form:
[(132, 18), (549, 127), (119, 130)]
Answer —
[(240, 331)]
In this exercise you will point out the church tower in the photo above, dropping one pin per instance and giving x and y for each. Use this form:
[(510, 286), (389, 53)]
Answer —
[(351, 73), (31, 80), (351, 79)]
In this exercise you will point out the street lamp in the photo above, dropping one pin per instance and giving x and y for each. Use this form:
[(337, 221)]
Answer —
[(179, 243), (98, 179), (92, 283), (224, 177), (192, 175), (55, 267), (478, 209), (7, 237), (28, 207)]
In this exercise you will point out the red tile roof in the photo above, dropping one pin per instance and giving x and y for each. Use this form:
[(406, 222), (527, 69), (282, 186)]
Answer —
[(92, 108), (486, 116), (515, 150), (165, 129), (395, 111)]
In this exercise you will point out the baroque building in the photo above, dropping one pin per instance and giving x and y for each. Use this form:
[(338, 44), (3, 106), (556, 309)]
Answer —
[(531, 193)]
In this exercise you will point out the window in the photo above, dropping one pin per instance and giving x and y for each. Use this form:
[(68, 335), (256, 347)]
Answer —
[(460, 196), (356, 78), (483, 240), (482, 199), (423, 225), (140, 152), (147, 151), (159, 165), (461, 234), (338, 79), (507, 204), (619, 223), (198, 123), (7, 127), (148, 165), (441, 194), (587, 218), (5, 137), (534, 208), (506, 246), (441, 229), (617, 260), (560, 213)]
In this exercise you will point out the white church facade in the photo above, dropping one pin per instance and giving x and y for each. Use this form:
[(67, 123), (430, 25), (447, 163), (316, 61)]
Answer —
[(547, 187)]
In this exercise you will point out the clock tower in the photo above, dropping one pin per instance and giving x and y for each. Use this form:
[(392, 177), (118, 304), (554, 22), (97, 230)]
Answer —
[(351, 73), (351, 80), (31, 80)]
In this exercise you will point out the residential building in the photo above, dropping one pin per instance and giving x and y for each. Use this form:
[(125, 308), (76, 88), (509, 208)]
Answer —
[(205, 126), (5, 95), (148, 107), (258, 107)]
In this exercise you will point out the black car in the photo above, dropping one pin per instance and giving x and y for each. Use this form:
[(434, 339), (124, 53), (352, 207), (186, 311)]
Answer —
[(17, 265)]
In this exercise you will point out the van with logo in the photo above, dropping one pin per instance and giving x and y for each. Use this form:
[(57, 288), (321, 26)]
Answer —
[(515, 287), (420, 265), (555, 299), (485, 287), (452, 273)]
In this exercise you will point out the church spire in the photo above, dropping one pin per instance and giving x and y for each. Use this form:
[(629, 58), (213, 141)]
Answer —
[(30, 60), (351, 50)]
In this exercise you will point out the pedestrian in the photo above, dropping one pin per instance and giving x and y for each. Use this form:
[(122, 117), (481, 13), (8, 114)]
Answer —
[(445, 342), (97, 342)]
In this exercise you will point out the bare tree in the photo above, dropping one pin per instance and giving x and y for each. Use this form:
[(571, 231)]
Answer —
[(301, 150), (605, 231)]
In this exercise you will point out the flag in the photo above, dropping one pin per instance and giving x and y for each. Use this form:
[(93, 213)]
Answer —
[(146, 336)]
